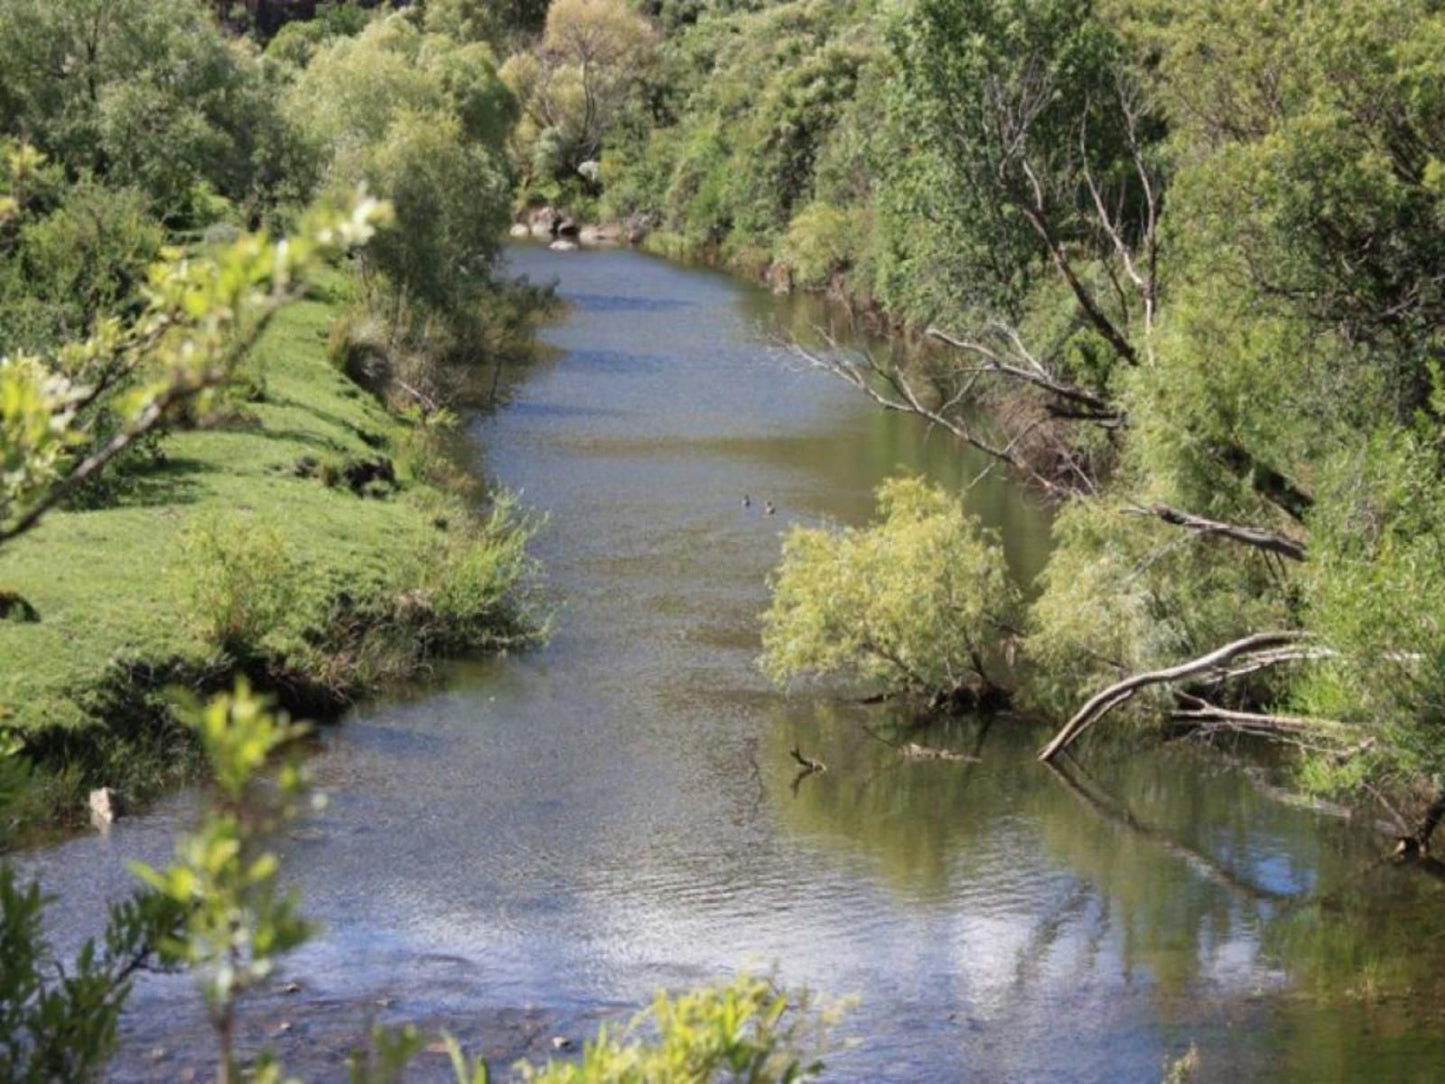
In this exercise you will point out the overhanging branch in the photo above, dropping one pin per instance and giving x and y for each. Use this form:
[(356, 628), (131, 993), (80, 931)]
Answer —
[(1101, 703)]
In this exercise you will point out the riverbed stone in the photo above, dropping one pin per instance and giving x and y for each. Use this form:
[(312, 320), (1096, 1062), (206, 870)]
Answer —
[(607, 234), (104, 807)]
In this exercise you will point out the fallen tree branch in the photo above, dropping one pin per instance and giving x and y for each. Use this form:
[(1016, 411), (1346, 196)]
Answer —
[(1257, 537), (1202, 711), (1036, 375), (1101, 703)]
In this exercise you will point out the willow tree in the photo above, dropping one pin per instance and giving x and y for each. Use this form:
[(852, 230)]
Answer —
[(916, 603)]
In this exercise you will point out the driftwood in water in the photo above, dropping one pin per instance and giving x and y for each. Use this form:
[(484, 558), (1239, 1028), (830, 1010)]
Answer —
[(914, 751), (808, 763), (808, 766)]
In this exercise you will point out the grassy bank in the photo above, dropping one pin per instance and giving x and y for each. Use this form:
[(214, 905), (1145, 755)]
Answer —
[(314, 541)]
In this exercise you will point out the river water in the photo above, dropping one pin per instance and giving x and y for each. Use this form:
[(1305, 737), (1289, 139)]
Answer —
[(535, 844)]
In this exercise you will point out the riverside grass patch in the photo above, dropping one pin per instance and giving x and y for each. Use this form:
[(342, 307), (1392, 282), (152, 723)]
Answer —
[(221, 557)]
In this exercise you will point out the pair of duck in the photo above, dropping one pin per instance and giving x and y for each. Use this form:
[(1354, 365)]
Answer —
[(768, 507)]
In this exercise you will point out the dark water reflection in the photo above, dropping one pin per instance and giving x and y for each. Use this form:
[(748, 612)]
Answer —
[(545, 840)]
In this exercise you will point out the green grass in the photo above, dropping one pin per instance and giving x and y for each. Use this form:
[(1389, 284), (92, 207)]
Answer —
[(110, 586)]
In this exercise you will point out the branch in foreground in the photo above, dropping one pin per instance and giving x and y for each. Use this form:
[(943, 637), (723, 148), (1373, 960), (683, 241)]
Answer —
[(1257, 537), (1101, 703)]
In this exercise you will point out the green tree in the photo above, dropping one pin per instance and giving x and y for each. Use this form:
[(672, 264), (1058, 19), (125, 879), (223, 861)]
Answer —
[(142, 92), (422, 120), (572, 85), (916, 603)]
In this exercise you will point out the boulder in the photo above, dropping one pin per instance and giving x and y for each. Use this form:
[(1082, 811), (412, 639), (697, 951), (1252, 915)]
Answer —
[(636, 228), (519, 229), (544, 221), (104, 807), (591, 170), (609, 234), (563, 246)]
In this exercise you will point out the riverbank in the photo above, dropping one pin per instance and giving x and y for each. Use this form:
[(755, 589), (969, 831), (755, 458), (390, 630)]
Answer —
[(314, 541), (552, 836)]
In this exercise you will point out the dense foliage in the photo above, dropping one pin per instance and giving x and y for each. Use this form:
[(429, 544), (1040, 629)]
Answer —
[(144, 148), (916, 602), (1195, 250)]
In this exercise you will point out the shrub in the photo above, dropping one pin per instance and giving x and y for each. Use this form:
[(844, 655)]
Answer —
[(913, 602), (475, 587), (818, 243), (240, 582), (357, 345), (745, 1030)]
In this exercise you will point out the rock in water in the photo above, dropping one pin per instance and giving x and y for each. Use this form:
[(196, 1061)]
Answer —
[(519, 229), (563, 246), (104, 807)]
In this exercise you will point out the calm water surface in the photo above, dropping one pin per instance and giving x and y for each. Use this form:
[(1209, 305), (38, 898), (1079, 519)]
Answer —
[(542, 841)]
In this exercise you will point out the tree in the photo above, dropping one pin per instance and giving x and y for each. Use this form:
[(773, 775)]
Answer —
[(142, 92), (422, 121), (491, 21), (572, 85), (916, 602)]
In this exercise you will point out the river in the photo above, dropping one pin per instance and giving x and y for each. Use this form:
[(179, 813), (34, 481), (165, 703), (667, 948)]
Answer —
[(533, 844)]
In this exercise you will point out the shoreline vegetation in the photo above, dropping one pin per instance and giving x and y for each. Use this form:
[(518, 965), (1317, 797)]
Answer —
[(1188, 257), (1191, 254), (227, 455), (311, 540)]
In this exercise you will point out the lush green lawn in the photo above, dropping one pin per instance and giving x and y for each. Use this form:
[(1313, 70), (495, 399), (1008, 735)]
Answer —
[(110, 585)]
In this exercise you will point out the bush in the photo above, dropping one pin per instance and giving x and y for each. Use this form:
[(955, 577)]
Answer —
[(819, 243), (357, 345), (914, 602), (476, 586), (745, 1030), (240, 582)]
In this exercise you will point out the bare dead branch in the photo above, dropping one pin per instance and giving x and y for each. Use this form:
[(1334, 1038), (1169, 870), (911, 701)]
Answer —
[(1035, 375), (892, 390), (1101, 703)]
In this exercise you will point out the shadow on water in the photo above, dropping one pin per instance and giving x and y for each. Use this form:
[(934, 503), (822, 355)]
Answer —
[(543, 840)]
